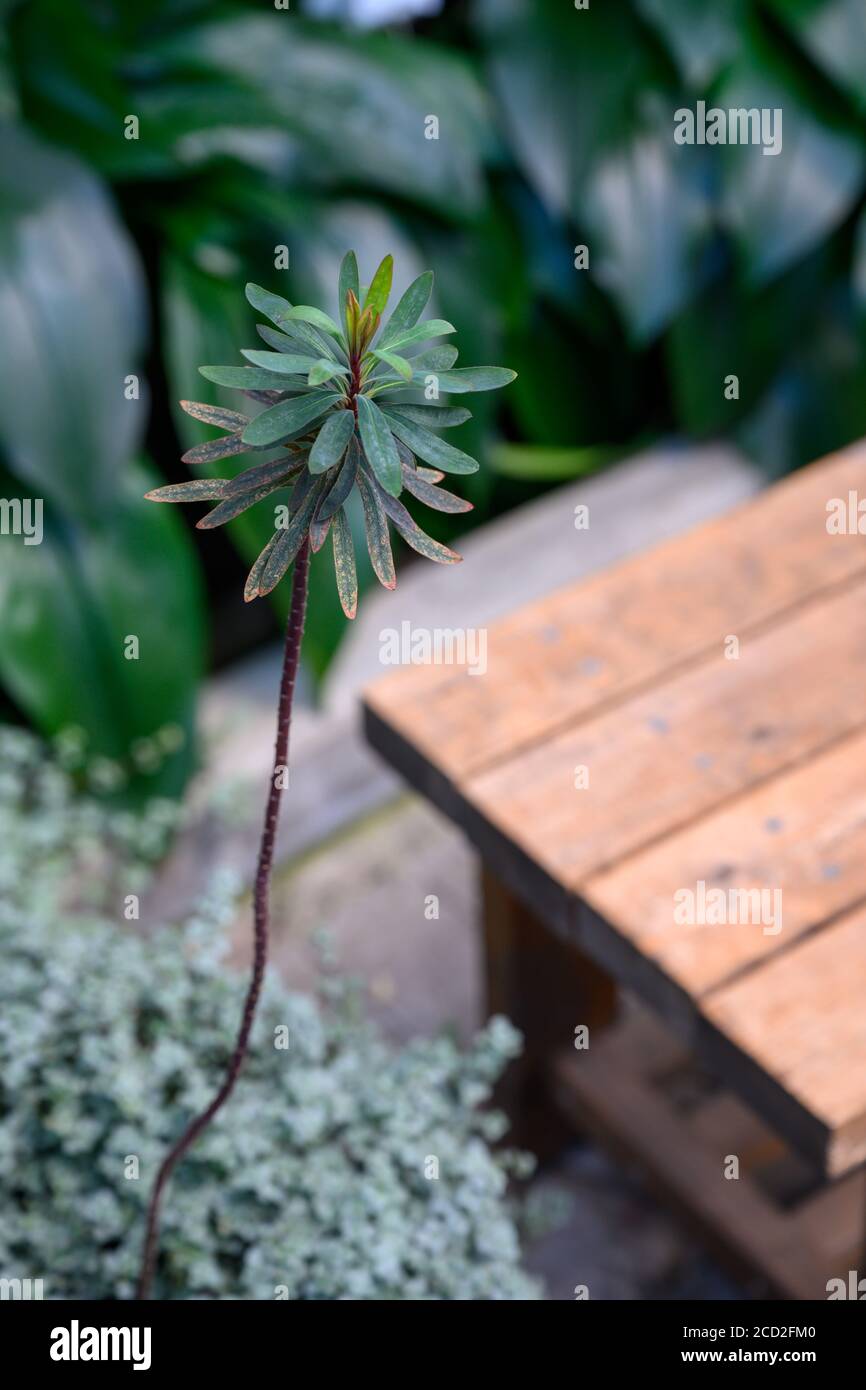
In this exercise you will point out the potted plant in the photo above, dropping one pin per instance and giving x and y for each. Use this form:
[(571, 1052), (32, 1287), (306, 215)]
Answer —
[(341, 406)]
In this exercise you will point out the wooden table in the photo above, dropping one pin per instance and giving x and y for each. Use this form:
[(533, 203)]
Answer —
[(694, 716)]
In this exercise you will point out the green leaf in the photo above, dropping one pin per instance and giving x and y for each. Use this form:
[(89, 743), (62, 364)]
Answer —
[(214, 449), (432, 328), (308, 313), (237, 503), (215, 415), (244, 378), (319, 528), (344, 564), (348, 281), (291, 539), (431, 448), (287, 419), (332, 441), (435, 359), (380, 287), (281, 363), (435, 497), (323, 371), (437, 417), (280, 342), (273, 306), (254, 578), (202, 490), (400, 365), (378, 445), (344, 481), (413, 535), (409, 308), (376, 528), (282, 468), (475, 379)]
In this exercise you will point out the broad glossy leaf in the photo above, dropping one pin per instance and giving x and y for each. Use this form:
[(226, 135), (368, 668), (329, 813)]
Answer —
[(436, 417), (348, 281), (344, 564), (287, 419), (412, 533), (376, 528), (435, 497), (202, 490), (409, 308), (344, 481), (431, 328), (332, 441), (215, 415), (431, 448), (380, 287), (378, 445), (291, 539), (214, 449)]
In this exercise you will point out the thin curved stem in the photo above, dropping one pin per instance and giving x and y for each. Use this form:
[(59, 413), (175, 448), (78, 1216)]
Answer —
[(291, 654)]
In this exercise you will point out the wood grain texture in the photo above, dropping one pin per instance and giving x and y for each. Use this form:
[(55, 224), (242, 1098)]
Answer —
[(564, 657)]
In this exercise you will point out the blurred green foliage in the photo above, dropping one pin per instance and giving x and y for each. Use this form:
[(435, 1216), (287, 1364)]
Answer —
[(259, 128)]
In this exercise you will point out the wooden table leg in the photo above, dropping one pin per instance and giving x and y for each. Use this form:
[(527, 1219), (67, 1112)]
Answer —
[(547, 988)]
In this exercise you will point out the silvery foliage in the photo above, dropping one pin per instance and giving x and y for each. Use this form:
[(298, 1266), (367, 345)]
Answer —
[(310, 1185)]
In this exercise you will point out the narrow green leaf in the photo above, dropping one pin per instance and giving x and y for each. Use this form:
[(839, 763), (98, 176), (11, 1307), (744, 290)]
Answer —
[(288, 418), (291, 539), (376, 528), (348, 281), (281, 363), (319, 528), (475, 378), (308, 313), (435, 497), (344, 481), (433, 328), (430, 447), (273, 306), (332, 441), (397, 364), (251, 588), (202, 490), (436, 417), (323, 371), (378, 444), (224, 447), (412, 533), (232, 506), (409, 308), (244, 378), (281, 342), (380, 287), (436, 359), (261, 473), (215, 415), (344, 564)]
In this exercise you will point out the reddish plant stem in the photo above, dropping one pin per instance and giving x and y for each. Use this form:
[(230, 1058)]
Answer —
[(291, 654)]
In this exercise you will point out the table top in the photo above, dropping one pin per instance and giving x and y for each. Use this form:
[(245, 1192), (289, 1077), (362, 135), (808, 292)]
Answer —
[(668, 762)]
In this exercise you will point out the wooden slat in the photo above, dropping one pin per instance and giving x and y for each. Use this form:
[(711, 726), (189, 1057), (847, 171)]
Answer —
[(803, 832), (670, 755), (568, 656), (799, 1022)]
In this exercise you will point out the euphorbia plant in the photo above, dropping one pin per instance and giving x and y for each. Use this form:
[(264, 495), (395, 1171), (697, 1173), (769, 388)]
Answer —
[(341, 405)]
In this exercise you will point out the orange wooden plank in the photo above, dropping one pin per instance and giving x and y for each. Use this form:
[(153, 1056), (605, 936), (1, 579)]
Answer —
[(569, 656)]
